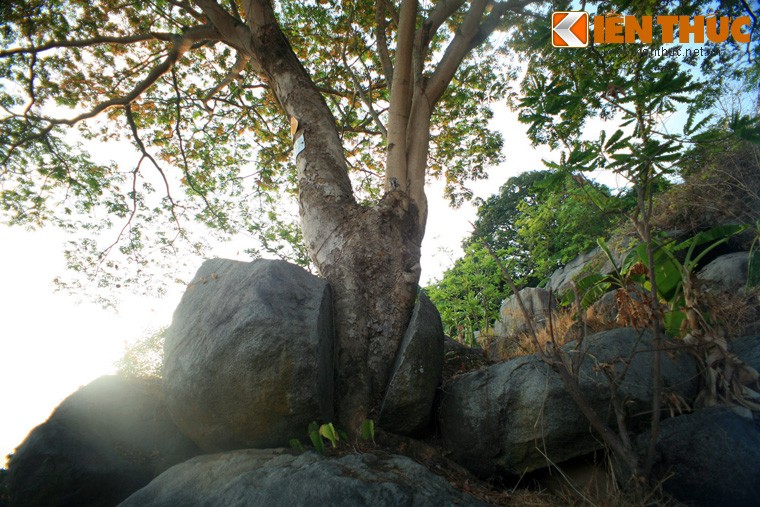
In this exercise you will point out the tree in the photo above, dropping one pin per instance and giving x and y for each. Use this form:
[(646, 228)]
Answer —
[(469, 295), (543, 219), (205, 86), (537, 222)]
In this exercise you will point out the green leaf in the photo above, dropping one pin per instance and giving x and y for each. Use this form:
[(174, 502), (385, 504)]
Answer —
[(328, 431), (316, 438), (368, 430)]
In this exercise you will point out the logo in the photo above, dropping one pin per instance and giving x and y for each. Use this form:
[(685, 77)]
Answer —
[(569, 29)]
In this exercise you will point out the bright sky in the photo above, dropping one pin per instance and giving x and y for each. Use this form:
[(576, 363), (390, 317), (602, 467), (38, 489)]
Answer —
[(50, 345)]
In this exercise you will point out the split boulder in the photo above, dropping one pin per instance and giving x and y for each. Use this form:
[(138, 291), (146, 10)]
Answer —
[(408, 404)]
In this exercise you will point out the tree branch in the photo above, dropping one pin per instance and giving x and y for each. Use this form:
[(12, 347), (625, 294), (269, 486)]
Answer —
[(401, 98), (129, 39), (382, 41), (181, 45), (440, 13), (365, 99), (234, 73)]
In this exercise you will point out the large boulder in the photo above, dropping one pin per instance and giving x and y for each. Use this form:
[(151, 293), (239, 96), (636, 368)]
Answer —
[(516, 416), (248, 359), (727, 272), (275, 478), (101, 444), (408, 404), (710, 457)]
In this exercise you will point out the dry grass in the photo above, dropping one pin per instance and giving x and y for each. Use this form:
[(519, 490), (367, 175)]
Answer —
[(725, 189), (734, 312), (564, 328)]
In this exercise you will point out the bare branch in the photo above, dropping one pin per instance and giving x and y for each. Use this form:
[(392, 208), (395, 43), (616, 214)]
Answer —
[(234, 73), (141, 146), (382, 40), (365, 99)]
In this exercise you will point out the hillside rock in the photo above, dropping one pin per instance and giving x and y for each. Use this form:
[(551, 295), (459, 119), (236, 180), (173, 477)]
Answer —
[(275, 478), (710, 457), (248, 359), (747, 348), (727, 272), (502, 419), (102, 443), (408, 404), (561, 280), (459, 358), (512, 321)]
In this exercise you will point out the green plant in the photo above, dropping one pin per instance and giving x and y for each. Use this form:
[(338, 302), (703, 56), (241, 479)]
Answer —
[(674, 263), (318, 433)]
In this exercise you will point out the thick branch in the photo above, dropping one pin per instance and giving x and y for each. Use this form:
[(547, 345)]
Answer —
[(234, 73), (440, 13), (401, 98), (456, 51)]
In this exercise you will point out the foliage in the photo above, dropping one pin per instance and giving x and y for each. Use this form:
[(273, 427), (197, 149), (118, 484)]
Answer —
[(318, 433), (211, 144), (539, 221), (544, 219), (368, 430), (144, 358), (675, 264), (469, 294)]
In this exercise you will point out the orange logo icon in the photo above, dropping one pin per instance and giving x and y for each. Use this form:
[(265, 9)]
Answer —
[(569, 29)]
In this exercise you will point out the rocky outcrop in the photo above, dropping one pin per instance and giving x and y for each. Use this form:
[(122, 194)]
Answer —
[(276, 478), (249, 355), (408, 404), (102, 443), (710, 457), (458, 358), (516, 416)]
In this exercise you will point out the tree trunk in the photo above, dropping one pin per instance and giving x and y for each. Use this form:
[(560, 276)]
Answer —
[(373, 268), (369, 255)]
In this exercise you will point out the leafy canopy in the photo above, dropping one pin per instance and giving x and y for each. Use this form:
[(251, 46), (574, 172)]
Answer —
[(212, 144)]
